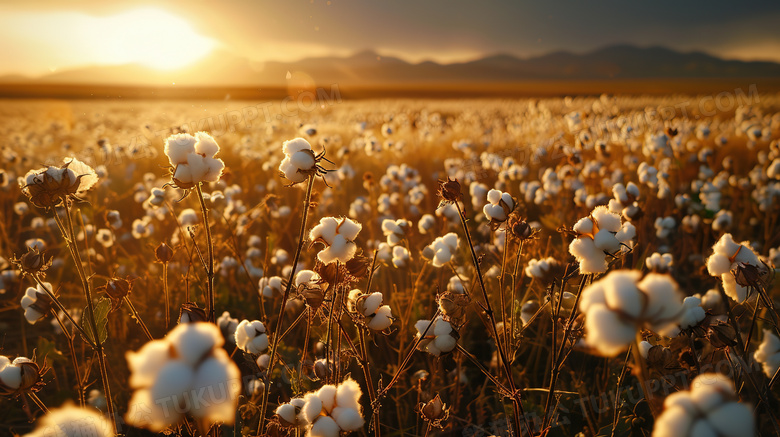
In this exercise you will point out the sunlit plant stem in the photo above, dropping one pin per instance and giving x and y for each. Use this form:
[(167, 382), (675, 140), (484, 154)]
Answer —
[(285, 297)]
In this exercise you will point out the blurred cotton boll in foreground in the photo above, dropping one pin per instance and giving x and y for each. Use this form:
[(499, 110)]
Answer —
[(620, 304), (187, 372), (72, 421), (710, 408)]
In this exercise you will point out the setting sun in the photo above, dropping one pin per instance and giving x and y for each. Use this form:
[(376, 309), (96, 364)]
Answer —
[(151, 37)]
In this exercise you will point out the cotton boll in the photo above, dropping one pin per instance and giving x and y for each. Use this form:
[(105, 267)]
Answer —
[(72, 421), (324, 427), (348, 419), (11, 376), (693, 313), (327, 395), (178, 147), (382, 320), (173, 379), (621, 293), (206, 144), (286, 412), (348, 394), (768, 353), (445, 343), (146, 363), (674, 422), (607, 332), (732, 420), (193, 340), (219, 377), (441, 327), (313, 407), (702, 428), (606, 241)]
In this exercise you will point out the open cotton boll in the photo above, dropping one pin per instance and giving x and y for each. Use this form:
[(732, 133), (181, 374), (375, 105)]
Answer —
[(312, 408), (768, 353), (295, 145), (146, 363), (693, 313), (372, 303), (327, 395), (607, 332), (173, 379), (382, 319), (251, 337), (348, 394), (324, 427), (710, 408), (11, 376), (193, 341), (348, 419), (178, 147)]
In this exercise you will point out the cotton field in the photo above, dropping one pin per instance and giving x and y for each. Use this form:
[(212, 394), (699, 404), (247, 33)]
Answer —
[(590, 266)]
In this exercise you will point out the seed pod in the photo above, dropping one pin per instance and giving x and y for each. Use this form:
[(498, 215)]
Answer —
[(164, 253), (33, 262), (449, 191)]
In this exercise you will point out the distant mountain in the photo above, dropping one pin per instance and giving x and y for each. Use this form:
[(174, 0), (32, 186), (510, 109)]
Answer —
[(367, 68)]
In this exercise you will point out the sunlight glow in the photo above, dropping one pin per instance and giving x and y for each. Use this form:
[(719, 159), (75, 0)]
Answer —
[(147, 36)]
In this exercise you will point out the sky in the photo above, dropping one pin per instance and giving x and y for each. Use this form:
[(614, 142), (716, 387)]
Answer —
[(47, 35)]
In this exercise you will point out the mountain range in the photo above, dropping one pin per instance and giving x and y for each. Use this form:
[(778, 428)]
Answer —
[(368, 68)]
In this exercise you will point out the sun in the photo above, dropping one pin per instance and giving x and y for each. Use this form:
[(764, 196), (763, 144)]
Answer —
[(151, 37)]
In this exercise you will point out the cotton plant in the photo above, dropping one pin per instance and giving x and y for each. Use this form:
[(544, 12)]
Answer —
[(621, 303), (710, 408), (48, 187), (338, 236), (300, 161), (18, 376), (271, 287), (727, 256), (599, 236), (401, 257), (190, 359), (659, 263)]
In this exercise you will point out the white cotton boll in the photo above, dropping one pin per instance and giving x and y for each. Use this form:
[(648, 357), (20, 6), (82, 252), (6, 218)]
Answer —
[(327, 395), (702, 428), (146, 363), (664, 300), (674, 422), (206, 144), (72, 421), (348, 419), (198, 167), (324, 427), (441, 327), (214, 172), (348, 394), (174, 379), (422, 325), (312, 408), (584, 226), (219, 377), (620, 292), (144, 412), (605, 219), (295, 145), (302, 160), (11, 376), (400, 256), (251, 337), (768, 353), (287, 413), (606, 331), (718, 264), (178, 147), (606, 241), (693, 313), (372, 303), (444, 343), (382, 320), (494, 196), (426, 223), (183, 173), (732, 420), (590, 257), (193, 340), (442, 257)]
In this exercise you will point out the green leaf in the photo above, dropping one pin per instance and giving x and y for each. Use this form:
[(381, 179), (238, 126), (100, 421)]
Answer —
[(101, 320)]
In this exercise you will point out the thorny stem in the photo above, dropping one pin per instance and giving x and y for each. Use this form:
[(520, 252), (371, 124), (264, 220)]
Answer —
[(137, 318), (71, 241), (210, 266), (516, 402), (287, 288), (74, 361)]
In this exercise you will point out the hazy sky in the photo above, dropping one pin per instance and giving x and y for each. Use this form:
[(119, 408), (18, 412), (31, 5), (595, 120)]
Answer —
[(41, 36)]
